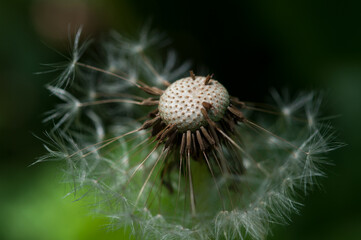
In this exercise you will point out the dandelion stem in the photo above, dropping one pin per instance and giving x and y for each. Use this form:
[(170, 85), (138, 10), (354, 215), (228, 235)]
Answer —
[(150, 174), (144, 102), (141, 164), (152, 69), (274, 135), (113, 140), (214, 178), (107, 141), (191, 190), (107, 72)]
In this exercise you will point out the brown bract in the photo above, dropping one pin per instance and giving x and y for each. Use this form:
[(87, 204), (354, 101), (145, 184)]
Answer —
[(200, 133)]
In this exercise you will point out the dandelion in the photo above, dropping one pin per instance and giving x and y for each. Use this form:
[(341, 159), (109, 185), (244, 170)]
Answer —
[(173, 155)]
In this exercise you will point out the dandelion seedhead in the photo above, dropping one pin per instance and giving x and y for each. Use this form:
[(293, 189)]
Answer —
[(172, 155)]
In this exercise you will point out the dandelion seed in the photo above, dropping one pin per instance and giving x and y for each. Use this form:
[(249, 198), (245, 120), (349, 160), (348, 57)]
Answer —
[(66, 112), (68, 69), (182, 159)]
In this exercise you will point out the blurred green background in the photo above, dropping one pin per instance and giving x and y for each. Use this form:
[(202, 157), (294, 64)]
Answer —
[(251, 46)]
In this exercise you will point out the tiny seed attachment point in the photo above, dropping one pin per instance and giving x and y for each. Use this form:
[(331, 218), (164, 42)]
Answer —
[(192, 75), (208, 78)]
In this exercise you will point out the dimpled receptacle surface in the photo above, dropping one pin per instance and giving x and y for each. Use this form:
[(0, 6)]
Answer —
[(181, 102)]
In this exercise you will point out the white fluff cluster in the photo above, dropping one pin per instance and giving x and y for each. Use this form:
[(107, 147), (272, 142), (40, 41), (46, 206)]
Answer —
[(104, 158)]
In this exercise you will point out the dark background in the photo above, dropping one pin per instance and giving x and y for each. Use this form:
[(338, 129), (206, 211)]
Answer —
[(251, 46)]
